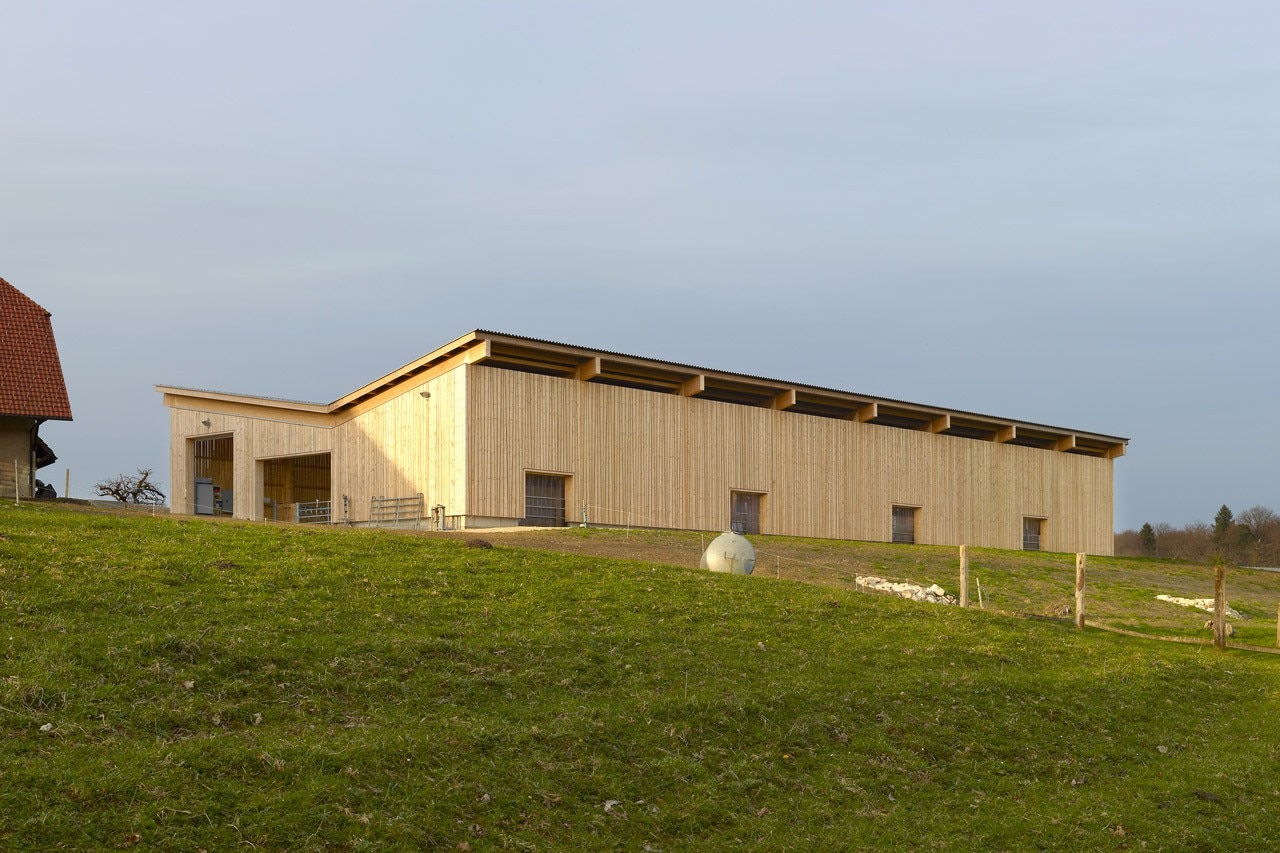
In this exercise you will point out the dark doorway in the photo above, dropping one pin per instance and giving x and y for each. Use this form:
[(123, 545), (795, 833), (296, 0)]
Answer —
[(543, 500), (904, 524), (296, 488), (213, 467), (744, 512), (1032, 529)]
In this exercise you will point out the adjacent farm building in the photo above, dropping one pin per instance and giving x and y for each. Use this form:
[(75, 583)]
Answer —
[(496, 430), (32, 390)]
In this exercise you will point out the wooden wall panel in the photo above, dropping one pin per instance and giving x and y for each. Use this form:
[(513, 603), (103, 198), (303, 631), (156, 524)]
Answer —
[(410, 444), (638, 457), (644, 458)]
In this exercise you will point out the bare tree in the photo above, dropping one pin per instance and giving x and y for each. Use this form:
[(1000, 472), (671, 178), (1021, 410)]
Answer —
[(1253, 536), (1263, 541), (132, 490)]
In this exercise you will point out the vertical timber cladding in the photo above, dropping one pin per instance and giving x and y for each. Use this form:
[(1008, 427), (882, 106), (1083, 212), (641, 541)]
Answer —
[(398, 445), (406, 445), (517, 423), (661, 460), (252, 435)]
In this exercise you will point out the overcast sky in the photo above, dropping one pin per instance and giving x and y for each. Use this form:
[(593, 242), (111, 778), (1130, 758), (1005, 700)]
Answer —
[(1066, 213)]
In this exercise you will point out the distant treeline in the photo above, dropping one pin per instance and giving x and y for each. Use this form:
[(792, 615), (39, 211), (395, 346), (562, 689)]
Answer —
[(1251, 538)]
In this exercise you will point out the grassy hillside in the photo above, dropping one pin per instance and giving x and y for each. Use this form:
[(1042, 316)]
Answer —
[(1121, 592), (181, 684)]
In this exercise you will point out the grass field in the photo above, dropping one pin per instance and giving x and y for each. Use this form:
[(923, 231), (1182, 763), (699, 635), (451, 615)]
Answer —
[(183, 684), (1121, 592)]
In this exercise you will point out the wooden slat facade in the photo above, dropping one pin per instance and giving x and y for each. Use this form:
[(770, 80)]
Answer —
[(645, 444), (406, 445), (645, 459)]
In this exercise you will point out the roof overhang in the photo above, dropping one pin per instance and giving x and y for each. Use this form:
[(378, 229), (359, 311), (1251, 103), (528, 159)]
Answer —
[(549, 358)]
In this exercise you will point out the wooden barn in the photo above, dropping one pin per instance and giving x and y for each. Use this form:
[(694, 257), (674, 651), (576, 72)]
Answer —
[(32, 391), (496, 429)]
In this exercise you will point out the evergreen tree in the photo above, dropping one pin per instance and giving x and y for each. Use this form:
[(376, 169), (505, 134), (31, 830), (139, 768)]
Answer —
[(1222, 525), (1223, 535), (1147, 536)]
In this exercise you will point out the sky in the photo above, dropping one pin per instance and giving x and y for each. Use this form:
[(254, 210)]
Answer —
[(1060, 213)]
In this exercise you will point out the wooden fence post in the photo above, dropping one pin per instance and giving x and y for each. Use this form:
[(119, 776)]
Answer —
[(1080, 560), (1220, 607), (1278, 627), (964, 577)]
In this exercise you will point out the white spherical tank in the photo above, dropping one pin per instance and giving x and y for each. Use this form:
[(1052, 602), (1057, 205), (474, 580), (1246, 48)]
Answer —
[(731, 554)]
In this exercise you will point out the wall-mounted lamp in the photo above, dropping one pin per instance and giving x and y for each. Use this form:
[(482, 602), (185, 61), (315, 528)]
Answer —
[(206, 423), (426, 395)]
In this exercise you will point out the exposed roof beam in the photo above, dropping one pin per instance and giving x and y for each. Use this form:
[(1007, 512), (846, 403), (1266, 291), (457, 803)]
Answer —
[(1066, 443), (1007, 434), (479, 352), (784, 401), (869, 412), (941, 423), (588, 369), (693, 386)]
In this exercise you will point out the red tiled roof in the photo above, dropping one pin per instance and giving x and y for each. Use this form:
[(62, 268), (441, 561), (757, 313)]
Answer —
[(31, 383)]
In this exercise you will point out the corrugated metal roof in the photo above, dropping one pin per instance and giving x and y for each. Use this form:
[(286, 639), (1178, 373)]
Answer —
[(31, 381)]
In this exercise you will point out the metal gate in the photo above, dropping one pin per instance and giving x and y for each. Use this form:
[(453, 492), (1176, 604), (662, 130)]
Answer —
[(315, 512), (395, 511)]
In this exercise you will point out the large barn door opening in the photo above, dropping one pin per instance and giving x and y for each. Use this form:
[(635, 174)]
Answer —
[(543, 500), (213, 466), (297, 488)]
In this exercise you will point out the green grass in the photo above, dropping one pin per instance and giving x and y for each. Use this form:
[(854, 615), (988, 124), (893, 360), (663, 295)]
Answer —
[(209, 685), (1121, 591)]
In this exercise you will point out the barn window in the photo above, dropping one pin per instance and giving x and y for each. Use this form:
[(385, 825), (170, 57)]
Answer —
[(543, 500), (904, 524), (744, 512), (1032, 530)]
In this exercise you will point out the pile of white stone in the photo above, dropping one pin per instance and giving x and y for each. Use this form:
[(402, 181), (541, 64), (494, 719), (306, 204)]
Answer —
[(1205, 604), (933, 594)]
